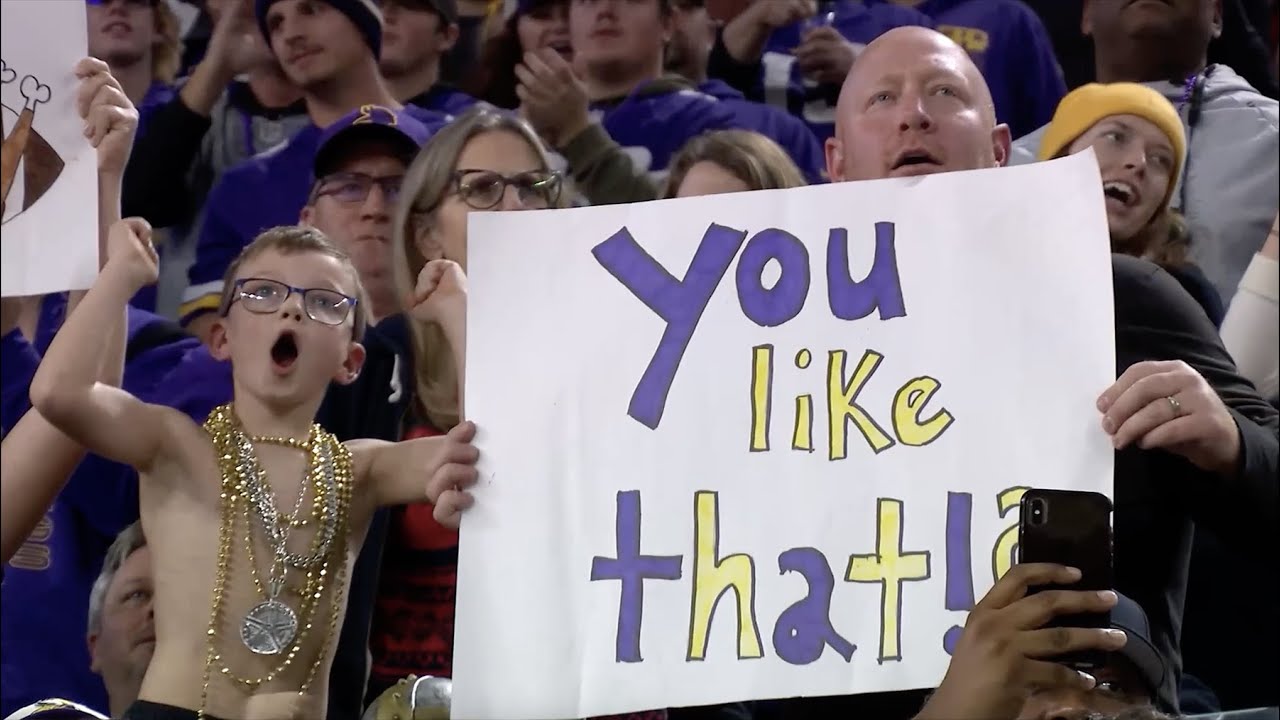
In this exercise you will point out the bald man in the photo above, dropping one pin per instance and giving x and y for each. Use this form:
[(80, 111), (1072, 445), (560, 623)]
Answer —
[(914, 104)]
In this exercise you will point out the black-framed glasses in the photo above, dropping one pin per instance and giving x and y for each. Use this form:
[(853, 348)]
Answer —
[(354, 187), (484, 189), (262, 296)]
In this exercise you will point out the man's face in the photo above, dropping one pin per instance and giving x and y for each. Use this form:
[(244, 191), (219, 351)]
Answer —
[(122, 32), (313, 41), (691, 39), (1119, 688), (914, 104), (617, 32), (413, 35), (1112, 22), (354, 207), (121, 649)]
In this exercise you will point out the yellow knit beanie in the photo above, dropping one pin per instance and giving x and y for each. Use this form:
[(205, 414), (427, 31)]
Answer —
[(1083, 107)]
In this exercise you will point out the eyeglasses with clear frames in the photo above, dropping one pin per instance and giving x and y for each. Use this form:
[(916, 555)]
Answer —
[(484, 189), (262, 296)]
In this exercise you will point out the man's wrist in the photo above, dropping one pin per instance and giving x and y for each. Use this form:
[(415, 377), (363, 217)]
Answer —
[(571, 132)]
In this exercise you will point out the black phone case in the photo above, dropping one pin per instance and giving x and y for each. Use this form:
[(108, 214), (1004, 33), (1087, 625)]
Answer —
[(1071, 528)]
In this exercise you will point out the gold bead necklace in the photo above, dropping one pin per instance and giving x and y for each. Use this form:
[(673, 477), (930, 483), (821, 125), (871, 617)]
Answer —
[(330, 473)]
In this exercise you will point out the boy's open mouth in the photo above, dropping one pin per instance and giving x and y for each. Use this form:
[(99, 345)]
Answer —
[(285, 350)]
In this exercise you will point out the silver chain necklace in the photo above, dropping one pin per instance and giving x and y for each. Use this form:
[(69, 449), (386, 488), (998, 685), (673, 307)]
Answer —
[(271, 626)]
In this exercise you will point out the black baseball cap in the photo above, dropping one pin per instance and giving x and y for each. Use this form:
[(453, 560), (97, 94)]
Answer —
[(371, 122), (1128, 617), (446, 9)]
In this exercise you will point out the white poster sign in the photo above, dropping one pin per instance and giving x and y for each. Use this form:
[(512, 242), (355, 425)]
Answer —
[(768, 444), (49, 236)]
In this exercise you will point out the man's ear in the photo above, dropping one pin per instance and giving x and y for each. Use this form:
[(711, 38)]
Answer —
[(218, 345), (450, 33), (835, 159), (351, 366), (92, 641), (1086, 18), (1001, 144), (1217, 19), (305, 217)]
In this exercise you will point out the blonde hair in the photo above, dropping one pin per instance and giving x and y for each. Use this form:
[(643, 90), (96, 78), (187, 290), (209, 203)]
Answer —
[(166, 54), (751, 157), (295, 240), (427, 183)]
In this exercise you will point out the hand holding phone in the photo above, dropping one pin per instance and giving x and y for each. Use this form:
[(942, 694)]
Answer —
[(1006, 650), (1070, 528)]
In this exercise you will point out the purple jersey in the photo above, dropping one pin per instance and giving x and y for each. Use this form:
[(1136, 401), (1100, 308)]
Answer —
[(43, 619), (1011, 47), (782, 83), (789, 131)]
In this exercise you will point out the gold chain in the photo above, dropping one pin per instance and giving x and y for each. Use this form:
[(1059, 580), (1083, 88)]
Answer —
[(224, 431)]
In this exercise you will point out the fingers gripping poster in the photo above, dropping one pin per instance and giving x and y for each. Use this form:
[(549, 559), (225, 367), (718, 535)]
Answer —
[(768, 444), (49, 181)]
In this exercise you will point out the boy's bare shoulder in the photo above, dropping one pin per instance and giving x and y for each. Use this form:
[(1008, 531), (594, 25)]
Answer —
[(363, 452)]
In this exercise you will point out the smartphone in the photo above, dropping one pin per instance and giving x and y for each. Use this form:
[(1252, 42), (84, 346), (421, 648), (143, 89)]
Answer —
[(1072, 528)]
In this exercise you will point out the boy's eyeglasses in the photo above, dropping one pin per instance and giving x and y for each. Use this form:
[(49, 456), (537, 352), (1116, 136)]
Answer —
[(484, 189), (353, 187), (262, 296)]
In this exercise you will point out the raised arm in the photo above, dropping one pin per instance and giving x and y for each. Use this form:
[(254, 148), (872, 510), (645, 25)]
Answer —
[(441, 298), (35, 460), (37, 457), (106, 420), (435, 469)]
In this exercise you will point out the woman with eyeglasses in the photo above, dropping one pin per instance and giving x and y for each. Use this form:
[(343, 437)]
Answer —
[(484, 161)]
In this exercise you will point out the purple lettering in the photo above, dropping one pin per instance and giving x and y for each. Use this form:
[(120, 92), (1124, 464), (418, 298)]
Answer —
[(632, 569), (959, 592), (804, 629), (770, 307), (880, 289), (678, 302)]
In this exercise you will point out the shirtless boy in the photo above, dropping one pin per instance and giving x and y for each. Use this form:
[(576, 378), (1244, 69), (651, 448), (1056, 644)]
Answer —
[(256, 518)]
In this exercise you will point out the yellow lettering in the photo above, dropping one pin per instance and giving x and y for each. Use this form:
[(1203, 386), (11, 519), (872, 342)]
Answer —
[(841, 405), (890, 567), (1002, 555), (973, 40), (761, 396), (907, 405), (713, 577), (802, 435)]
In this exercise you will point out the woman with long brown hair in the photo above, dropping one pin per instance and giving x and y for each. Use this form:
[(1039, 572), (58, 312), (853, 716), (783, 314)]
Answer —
[(1140, 144)]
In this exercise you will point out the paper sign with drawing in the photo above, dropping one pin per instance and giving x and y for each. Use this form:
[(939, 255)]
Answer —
[(48, 241), (768, 444)]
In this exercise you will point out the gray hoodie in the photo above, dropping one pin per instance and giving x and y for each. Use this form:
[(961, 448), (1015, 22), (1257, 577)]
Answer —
[(1232, 181)]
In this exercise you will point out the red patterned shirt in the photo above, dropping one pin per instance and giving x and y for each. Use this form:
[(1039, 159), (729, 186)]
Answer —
[(412, 630)]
